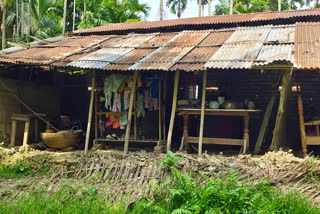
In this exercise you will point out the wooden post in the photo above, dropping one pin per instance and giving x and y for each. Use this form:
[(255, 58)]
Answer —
[(302, 127), (184, 140), (36, 129), (164, 105), (246, 134), (132, 97), (203, 105), (26, 133), (160, 110), (96, 122), (279, 132), (173, 110), (264, 126), (13, 133), (90, 112)]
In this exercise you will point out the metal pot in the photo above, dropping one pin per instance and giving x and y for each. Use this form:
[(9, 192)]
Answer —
[(228, 104)]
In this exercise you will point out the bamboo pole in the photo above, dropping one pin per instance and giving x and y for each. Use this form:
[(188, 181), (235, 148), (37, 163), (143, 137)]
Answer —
[(90, 112), (132, 96), (164, 105), (203, 104), (173, 111)]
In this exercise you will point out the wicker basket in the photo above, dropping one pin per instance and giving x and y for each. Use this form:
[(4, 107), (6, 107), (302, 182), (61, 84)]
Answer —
[(60, 140)]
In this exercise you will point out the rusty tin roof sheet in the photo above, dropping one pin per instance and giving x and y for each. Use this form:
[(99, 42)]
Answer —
[(241, 48), (307, 45), (189, 22)]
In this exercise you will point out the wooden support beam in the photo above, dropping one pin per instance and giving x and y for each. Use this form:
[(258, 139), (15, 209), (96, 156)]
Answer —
[(160, 109), (90, 112), (302, 126), (173, 110), (203, 105), (41, 40), (26, 133), (132, 97), (13, 133), (164, 105), (279, 132), (265, 123)]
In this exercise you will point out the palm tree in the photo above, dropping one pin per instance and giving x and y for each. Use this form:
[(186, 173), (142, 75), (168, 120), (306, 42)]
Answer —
[(177, 6), (5, 4), (64, 16), (74, 15), (209, 7), (29, 17), (199, 4), (161, 9)]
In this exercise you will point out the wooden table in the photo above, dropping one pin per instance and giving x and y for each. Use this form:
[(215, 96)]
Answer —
[(244, 113)]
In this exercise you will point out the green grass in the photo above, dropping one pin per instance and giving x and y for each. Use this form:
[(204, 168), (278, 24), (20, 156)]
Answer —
[(66, 200), (25, 167)]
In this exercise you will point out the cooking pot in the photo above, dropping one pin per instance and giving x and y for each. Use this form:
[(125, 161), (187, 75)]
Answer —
[(228, 104)]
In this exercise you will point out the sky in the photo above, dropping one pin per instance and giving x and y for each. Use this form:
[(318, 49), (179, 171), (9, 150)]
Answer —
[(191, 10)]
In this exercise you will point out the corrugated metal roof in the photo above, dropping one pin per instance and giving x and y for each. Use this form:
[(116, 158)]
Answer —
[(255, 46), (188, 23), (100, 58), (273, 53), (307, 45), (241, 48)]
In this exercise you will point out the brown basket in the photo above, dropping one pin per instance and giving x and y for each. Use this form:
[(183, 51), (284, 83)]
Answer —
[(60, 140)]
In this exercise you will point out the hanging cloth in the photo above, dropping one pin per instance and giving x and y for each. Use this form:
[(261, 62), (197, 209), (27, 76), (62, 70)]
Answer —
[(112, 84)]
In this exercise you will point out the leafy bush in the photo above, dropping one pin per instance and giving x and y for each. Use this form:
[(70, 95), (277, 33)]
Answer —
[(190, 194)]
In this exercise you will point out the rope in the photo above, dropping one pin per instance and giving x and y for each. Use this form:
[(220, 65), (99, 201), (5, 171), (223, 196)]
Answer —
[(36, 114)]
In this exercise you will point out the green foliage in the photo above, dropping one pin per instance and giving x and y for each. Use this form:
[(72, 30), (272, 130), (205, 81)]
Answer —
[(177, 6), (189, 194), (66, 200), (170, 160), (22, 168)]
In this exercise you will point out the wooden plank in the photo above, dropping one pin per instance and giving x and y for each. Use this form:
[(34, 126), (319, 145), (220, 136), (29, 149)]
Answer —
[(279, 132), (13, 133), (264, 125), (26, 133), (173, 110), (132, 97), (302, 127), (219, 141), (203, 105), (90, 112), (140, 141), (313, 140)]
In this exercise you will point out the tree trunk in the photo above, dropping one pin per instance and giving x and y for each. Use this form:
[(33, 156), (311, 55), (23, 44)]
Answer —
[(84, 11), (64, 16), (209, 7), (29, 18), (279, 132), (231, 7), (279, 5), (3, 27), (22, 18), (199, 7), (17, 20), (74, 16), (161, 10)]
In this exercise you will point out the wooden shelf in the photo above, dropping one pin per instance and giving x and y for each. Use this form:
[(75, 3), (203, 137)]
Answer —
[(114, 113), (130, 140)]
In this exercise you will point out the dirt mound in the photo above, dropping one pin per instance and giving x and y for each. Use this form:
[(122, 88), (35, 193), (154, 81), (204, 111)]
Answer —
[(132, 174)]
